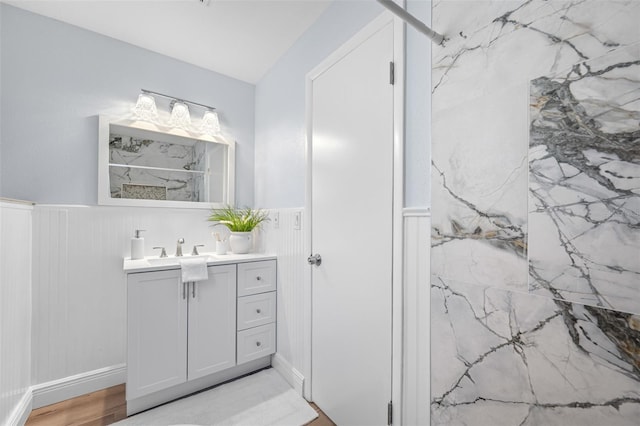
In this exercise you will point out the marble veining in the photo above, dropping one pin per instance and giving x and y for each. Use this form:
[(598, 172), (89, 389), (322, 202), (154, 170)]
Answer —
[(179, 168), (553, 341), (497, 229), (476, 243), (516, 359), (179, 186), (584, 182), (135, 151)]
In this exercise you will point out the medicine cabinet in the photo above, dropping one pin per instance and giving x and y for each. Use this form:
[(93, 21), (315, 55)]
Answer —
[(141, 164)]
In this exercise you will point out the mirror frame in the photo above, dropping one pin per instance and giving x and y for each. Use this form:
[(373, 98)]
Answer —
[(104, 191)]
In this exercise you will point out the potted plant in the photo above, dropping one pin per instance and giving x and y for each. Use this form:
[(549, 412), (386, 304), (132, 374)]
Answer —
[(241, 222)]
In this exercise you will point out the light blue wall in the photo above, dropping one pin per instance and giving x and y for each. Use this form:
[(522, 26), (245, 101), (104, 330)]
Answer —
[(56, 79), (418, 110), (280, 103), (280, 106)]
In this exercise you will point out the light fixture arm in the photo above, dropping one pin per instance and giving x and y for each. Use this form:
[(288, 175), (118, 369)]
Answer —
[(397, 10), (174, 99)]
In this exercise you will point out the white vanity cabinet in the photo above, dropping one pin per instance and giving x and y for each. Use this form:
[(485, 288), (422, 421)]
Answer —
[(182, 338), (179, 332)]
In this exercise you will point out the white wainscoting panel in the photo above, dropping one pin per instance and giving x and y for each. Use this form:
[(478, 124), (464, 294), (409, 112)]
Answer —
[(15, 312), (79, 294), (69, 387), (416, 382), (287, 242)]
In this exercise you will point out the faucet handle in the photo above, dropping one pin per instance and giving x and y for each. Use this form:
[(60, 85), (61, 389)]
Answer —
[(163, 253), (179, 247), (195, 249)]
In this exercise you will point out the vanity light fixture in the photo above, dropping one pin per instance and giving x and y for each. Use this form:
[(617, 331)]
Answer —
[(145, 109)]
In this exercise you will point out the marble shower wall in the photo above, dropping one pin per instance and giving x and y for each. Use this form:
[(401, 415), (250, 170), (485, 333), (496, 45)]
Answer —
[(558, 353), (584, 182)]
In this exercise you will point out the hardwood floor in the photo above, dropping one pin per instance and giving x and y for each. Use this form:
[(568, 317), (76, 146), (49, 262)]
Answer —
[(322, 419), (99, 408), (105, 407)]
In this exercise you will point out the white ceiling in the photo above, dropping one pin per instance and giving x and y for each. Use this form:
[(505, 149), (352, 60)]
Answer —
[(239, 38)]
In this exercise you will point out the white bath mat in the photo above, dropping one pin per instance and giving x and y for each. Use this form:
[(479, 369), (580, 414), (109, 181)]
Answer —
[(261, 399)]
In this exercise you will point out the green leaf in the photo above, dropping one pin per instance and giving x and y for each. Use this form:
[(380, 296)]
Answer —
[(239, 219)]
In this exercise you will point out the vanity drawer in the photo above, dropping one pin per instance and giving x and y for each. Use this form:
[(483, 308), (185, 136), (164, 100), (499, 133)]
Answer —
[(256, 342), (259, 309), (256, 277)]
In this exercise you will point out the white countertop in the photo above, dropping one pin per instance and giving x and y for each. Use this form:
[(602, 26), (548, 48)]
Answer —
[(155, 263)]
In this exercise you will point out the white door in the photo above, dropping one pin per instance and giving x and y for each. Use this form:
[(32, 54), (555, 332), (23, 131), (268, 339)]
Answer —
[(157, 332), (212, 322), (351, 229)]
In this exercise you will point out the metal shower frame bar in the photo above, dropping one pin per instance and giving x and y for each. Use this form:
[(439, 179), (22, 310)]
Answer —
[(397, 10)]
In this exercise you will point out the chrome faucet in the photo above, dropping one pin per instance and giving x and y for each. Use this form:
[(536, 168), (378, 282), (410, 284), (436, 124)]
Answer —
[(179, 247)]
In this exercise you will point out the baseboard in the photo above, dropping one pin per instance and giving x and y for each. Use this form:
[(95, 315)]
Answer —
[(70, 387), (20, 413), (288, 372)]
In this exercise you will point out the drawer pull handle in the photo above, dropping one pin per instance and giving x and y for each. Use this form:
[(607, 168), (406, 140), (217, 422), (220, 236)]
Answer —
[(258, 344), (259, 278), (258, 311)]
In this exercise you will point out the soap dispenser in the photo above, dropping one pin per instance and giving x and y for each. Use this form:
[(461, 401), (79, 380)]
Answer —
[(137, 245)]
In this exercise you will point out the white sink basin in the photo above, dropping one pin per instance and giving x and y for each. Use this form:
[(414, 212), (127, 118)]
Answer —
[(173, 260)]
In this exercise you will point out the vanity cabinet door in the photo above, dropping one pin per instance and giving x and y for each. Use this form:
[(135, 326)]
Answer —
[(157, 332), (212, 322)]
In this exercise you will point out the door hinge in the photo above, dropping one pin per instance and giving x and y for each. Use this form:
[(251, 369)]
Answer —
[(390, 413), (392, 73)]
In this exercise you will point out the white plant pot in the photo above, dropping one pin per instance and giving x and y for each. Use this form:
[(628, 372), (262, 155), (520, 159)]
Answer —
[(240, 242)]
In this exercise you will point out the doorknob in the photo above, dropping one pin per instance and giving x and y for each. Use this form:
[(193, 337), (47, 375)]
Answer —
[(314, 259)]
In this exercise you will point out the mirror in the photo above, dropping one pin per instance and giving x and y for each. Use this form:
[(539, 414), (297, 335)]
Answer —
[(141, 164)]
